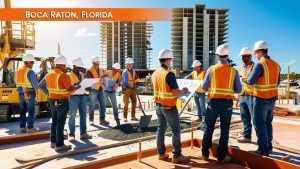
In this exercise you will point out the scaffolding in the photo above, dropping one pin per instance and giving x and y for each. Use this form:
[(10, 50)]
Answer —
[(121, 40)]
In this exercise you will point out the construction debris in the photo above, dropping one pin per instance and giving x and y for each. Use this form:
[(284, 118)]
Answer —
[(132, 131)]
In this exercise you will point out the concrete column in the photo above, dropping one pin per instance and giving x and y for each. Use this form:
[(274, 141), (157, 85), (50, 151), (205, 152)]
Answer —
[(119, 43), (216, 32), (133, 40), (194, 33), (185, 44), (113, 45), (205, 40)]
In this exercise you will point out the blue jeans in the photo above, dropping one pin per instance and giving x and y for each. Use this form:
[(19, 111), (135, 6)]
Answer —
[(246, 107), (170, 116), (113, 100), (262, 121), (77, 102), (27, 105), (59, 110), (200, 102), (215, 108), (94, 95)]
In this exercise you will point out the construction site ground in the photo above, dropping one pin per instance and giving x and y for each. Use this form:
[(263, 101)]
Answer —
[(285, 129)]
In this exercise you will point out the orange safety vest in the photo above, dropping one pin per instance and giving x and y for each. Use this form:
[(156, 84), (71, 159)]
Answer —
[(267, 85), (162, 91), (21, 77), (116, 77), (96, 75), (200, 77), (221, 82), (130, 78), (74, 79), (52, 79), (246, 89)]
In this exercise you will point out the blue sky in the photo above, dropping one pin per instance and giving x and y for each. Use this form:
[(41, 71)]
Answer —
[(277, 22)]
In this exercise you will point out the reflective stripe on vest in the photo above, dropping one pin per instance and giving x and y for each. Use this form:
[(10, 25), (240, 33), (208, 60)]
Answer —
[(246, 89), (221, 81), (130, 78), (96, 75), (267, 85), (200, 77), (162, 91), (52, 80), (115, 77), (21, 78), (74, 79)]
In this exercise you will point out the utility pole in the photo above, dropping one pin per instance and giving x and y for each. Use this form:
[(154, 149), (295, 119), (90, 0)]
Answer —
[(288, 85)]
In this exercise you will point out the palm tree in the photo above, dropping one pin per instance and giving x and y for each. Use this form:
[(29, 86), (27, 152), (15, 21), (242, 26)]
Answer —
[(231, 63)]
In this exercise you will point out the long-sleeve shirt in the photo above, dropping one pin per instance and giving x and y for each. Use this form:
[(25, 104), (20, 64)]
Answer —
[(33, 80), (125, 78), (237, 84), (109, 86), (257, 72)]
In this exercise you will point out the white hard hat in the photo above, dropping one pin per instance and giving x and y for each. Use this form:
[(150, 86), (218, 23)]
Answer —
[(60, 60), (196, 63), (77, 62), (222, 50), (129, 61), (245, 51), (116, 66), (260, 45), (95, 59), (165, 54), (28, 58)]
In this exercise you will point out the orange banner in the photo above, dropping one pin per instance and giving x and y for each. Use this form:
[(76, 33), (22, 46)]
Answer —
[(85, 14)]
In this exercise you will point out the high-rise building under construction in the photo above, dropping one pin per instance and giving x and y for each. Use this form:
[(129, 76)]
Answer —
[(120, 40), (196, 33)]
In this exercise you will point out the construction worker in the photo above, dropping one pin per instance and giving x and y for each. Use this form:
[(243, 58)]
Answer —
[(77, 102), (96, 92), (221, 81), (27, 83), (246, 96), (199, 96), (130, 78), (166, 91), (265, 79), (113, 79), (57, 85)]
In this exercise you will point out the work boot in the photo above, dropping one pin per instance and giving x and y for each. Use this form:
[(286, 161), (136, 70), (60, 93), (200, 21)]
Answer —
[(52, 145), (72, 138), (198, 120), (33, 129), (204, 158), (180, 159), (227, 159), (118, 122), (85, 136), (63, 147), (134, 119), (23, 130), (104, 122), (125, 120), (163, 156), (91, 122), (243, 140)]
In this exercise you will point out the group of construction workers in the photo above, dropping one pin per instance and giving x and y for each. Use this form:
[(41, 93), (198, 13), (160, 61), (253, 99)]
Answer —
[(256, 85), (60, 86)]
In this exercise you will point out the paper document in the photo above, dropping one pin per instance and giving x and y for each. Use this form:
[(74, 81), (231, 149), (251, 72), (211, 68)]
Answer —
[(192, 85), (85, 84)]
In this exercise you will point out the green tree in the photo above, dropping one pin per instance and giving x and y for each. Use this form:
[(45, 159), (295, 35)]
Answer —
[(231, 63)]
